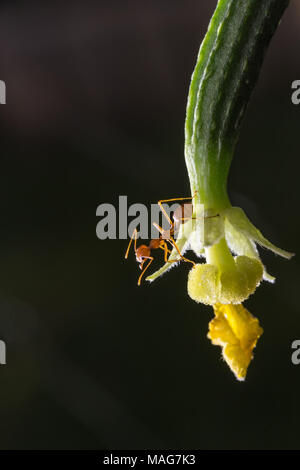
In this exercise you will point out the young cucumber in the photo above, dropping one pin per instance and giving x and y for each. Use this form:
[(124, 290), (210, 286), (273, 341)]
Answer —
[(226, 72)]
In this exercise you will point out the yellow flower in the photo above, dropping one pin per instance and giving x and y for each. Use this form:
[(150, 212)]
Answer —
[(233, 268), (224, 279), (237, 331), (232, 272), (218, 232)]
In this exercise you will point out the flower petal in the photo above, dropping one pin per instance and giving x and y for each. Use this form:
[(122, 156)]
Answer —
[(242, 245), (238, 219), (209, 286), (203, 284), (237, 331)]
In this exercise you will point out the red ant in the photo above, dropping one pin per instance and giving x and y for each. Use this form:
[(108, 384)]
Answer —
[(182, 213), (143, 252)]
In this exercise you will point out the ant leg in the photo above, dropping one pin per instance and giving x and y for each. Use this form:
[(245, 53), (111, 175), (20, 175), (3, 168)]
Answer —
[(176, 199), (129, 245), (166, 252), (174, 244), (150, 258), (160, 203), (172, 241), (165, 233), (199, 218)]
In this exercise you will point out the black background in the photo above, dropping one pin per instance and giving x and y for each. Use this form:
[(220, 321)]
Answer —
[(96, 96)]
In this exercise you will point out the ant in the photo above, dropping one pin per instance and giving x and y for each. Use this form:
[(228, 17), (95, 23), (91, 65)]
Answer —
[(182, 213), (143, 252)]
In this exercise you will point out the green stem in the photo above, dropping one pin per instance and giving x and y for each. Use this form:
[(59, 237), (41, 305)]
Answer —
[(226, 72), (219, 255)]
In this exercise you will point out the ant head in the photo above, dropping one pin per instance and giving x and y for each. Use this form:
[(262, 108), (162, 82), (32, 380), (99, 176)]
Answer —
[(142, 252)]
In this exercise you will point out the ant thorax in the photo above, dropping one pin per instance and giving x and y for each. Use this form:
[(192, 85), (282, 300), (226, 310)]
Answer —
[(155, 243)]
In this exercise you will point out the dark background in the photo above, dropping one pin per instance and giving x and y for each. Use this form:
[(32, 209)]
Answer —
[(96, 96)]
